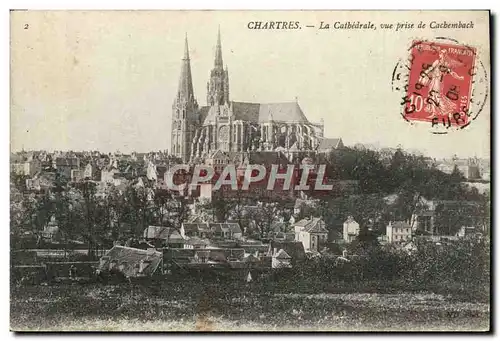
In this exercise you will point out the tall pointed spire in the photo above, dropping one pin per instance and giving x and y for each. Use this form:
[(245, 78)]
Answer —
[(185, 81), (186, 47), (218, 51), (218, 84)]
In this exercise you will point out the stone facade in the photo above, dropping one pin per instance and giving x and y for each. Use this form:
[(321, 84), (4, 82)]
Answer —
[(232, 126)]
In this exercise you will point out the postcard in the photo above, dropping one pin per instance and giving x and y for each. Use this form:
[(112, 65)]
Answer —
[(212, 170)]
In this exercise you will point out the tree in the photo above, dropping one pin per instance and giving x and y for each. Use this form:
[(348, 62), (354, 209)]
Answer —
[(138, 212), (451, 216), (456, 176), (263, 217), (117, 206), (161, 199), (91, 229), (221, 205), (19, 181), (368, 210), (179, 211)]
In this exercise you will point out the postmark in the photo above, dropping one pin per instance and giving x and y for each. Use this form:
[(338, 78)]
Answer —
[(442, 83)]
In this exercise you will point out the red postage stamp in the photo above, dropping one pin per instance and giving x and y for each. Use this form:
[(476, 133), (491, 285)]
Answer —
[(439, 84)]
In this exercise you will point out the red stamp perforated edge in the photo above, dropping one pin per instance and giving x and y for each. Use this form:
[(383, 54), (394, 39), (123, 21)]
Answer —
[(440, 83)]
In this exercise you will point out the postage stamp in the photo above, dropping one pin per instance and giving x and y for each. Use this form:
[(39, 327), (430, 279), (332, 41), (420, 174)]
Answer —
[(440, 83)]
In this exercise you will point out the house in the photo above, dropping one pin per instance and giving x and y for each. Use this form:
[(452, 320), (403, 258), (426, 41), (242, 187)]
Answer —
[(311, 232), (41, 182), (131, 262), (466, 232), (281, 259), (468, 168), (155, 172), (196, 243), (294, 249), (326, 145), (398, 232), (90, 172), (151, 173), (76, 175), (162, 235), (425, 220), (217, 160), (351, 230), (64, 165), (28, 167), (108, 173), (201, 230), (226, 230), (470, 171)]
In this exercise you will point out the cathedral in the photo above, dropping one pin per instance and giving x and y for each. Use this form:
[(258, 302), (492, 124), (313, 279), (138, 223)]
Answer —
[(230, 126)]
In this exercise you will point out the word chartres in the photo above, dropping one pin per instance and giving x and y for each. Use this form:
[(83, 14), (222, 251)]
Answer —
[(274, 25), (241, 178)]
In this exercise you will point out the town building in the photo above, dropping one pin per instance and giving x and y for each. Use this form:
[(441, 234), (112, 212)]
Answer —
[(226, 230), (76, 175), (311, 233), (28, 166), (90, 172), (201, 230), (41, 182), (160, 236), (426, 220), (350, 230), (131, 262), (326, 145), (280, 259), (294, 249), (398, 232), (64, 166)]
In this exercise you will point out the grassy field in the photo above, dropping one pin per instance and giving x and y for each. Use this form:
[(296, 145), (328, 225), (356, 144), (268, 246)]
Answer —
[(199, 306)]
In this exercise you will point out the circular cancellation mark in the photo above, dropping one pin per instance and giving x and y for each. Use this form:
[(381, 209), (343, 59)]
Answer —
[(442, 83)]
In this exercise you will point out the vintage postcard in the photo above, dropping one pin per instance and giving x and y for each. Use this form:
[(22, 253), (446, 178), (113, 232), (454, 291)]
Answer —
[(250, 171)]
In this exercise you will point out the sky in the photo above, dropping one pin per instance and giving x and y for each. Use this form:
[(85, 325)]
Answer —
[(106, 80)]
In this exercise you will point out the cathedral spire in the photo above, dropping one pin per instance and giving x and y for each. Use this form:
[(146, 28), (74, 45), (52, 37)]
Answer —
[(218, 84), (185, 90), (186, 48), (218, 52)]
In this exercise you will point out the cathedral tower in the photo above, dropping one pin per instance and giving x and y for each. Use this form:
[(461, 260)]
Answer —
[(184, 111), (218, 85)]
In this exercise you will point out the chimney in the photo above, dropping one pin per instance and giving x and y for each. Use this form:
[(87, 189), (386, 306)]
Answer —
[(275, 251)]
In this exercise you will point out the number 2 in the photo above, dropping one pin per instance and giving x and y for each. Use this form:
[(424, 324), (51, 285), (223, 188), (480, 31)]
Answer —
[(26, 26)]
